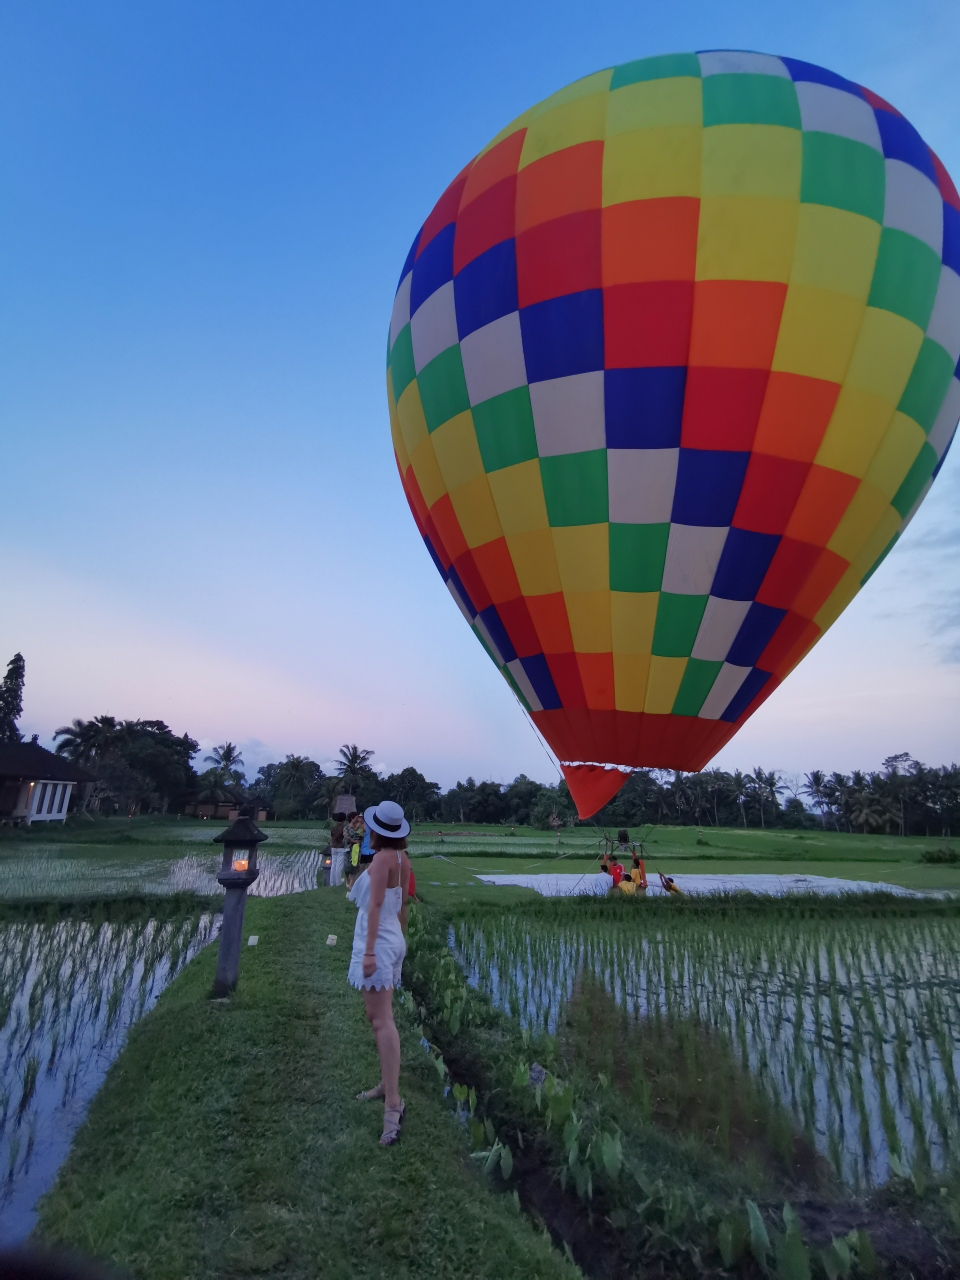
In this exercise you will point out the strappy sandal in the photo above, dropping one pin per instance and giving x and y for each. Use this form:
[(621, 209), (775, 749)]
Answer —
[(392, 1120), (371, 1095)]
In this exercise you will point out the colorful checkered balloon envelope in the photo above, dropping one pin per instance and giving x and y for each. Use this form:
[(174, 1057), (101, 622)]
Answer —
[(672, 363)]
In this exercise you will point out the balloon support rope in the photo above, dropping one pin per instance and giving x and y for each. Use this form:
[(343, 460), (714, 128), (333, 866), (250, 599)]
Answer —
[(539, 737)]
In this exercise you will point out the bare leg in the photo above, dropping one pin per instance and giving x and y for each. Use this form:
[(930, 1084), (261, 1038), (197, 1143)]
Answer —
[(379, 1007)]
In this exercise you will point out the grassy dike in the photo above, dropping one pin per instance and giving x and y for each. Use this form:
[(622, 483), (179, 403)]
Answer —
[(226, 1140)]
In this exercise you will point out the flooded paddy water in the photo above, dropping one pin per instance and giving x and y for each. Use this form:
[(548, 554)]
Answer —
[(46, 874), (851, 1024), (69, 993), (71, 990)]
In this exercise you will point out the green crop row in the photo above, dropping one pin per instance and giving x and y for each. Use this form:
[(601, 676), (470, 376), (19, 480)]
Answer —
[(852, 1024), (532, 1100)]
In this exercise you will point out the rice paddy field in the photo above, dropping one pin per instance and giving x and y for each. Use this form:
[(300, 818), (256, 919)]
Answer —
[(69, 992), (834, 1027), (120, 856), (850, 1024)]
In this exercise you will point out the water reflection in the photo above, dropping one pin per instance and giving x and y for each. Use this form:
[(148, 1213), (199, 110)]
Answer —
[(69, 992), (854, 1026), (90, 877)]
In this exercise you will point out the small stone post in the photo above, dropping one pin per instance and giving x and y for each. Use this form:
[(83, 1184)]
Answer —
[(237, 873)]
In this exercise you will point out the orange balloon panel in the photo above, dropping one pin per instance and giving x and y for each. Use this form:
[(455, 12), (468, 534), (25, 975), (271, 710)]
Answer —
[(671, 364)]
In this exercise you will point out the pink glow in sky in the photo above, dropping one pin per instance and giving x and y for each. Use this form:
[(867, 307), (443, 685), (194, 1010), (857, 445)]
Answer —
[(205, 213)]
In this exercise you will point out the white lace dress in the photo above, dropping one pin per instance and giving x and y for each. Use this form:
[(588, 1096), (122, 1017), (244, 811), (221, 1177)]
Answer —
[(390, 946)]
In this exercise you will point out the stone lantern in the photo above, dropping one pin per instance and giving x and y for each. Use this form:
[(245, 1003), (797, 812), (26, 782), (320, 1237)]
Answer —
[(237, 873)]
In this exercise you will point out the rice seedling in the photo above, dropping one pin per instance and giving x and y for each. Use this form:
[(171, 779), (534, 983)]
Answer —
[(850, 1025), (69, 991)]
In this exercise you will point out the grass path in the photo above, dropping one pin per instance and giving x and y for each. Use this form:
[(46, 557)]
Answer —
[(226, 1141)]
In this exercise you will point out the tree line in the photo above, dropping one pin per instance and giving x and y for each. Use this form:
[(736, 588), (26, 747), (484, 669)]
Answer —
[(903, 797), (142, 766)]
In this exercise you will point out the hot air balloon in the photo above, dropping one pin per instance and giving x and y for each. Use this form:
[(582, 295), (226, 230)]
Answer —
[(672, 363)]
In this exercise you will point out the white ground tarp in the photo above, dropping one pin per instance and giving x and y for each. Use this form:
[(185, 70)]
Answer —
[(566, 884)]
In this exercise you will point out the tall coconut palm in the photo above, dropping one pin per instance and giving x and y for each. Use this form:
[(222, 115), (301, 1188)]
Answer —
[(716, 788), (353, 764), (774, 788), (815, 787), (739, 790), (764, 786), (839, 791), (226, 757), (680, 789)]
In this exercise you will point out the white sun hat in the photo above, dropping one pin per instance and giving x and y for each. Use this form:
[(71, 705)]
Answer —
[(386, 818)]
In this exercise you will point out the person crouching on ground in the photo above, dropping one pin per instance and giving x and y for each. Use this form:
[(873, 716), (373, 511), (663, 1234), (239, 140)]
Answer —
[(379, 945)]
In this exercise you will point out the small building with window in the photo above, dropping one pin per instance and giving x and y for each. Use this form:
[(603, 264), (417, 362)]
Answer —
[(36, 785)]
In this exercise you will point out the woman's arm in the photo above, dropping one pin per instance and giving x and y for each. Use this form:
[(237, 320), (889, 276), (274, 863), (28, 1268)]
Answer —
[(377, 871), (405, 886)]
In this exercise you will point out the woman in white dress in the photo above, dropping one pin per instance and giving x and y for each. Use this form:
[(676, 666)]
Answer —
[(379, 945)]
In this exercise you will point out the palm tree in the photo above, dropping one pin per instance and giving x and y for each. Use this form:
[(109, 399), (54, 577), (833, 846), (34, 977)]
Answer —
[(757, 783), (774, 788), (88, 741), (696, 784), (681, 793), (227, 758), (353, 764), (815, 786), (838, 791), (739, 790), (867, 810), (716, 788), (210, 789), (297, 771)]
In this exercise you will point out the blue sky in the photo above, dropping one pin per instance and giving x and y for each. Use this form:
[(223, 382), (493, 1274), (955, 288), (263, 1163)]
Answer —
[(204, 212)]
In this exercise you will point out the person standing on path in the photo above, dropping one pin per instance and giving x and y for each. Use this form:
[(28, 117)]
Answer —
[(381, 893), (338, 851), (353, 838)]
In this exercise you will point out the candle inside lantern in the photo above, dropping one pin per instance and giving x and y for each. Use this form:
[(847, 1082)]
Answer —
[(240, 860)]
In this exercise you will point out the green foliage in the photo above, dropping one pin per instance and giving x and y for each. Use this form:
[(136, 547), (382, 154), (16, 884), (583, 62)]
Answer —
[(420, 798), (562, 1116), (298, 789), (472, 801), (593, 1106), (293, 789), (554, 808), (744, 1017), (940, 856), (138, 763), (905, 797), (11, 699)]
